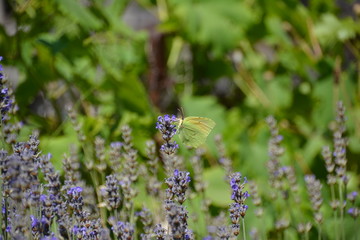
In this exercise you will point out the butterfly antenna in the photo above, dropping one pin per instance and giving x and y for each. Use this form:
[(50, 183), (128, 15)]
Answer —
[(181, 112)]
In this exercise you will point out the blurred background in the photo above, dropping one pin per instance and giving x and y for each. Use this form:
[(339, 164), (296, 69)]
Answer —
[(118, 62)]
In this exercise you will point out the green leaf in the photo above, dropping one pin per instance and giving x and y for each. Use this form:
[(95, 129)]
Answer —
[(313, 147), (218, 190), (331, 29), (58, 145), (131, 95), (140, 125), (323, 106), (92, 126), (279, 91), (277, 34), (214, 23), (79, 14), (197, 221)]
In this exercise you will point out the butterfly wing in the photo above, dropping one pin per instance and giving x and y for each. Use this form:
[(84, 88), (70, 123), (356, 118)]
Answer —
[(194, 130)]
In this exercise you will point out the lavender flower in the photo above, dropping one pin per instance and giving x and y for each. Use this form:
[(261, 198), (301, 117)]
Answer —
[(354, 212), (47, 213), (21, 181), (340, 143), (49, 238), (224, 161), (130, 165), (146, 219), (288, 181), (168, 129), (177, 185), (304, 228), (236, 211), (54, 185), (1, 67), (256, 199), (314, 189), (275, 151), (75, 122), (79, 232), (223, 233), (18, 223), (123, 230), (160, 232), (237, 186), (330, 165), (76, 200), (5, 100), (177, 219), (153, 185), (71, 167), (281, 224), (115, 155), (100, 154), (238, 208), (92, 228), (153, 158), (197, 164), (189, 235), (352, 196), (128, 191), (208, 238), (111, 192), (35, 227)]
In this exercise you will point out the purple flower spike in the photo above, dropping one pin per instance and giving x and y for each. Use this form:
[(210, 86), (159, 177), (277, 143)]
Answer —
[(6, 103), (74, 190), (177, 185), (238, 208), (168, 129)]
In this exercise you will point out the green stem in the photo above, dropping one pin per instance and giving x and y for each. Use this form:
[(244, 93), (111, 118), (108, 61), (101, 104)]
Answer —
[(132, 209), (341, 211), (292, 217), (168, 231), (264, 229), (5, 218), (319, 232), (356, 226), (335, 213), (162, 10), (243, 229), (54, 228), (205, 211), (3, 142), (2, 207), (132, 219)]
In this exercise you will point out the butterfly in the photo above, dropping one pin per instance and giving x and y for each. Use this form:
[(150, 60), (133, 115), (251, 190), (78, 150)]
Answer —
[(193, 131)]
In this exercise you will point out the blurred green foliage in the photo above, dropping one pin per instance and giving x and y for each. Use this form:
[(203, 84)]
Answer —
[(233, 61)]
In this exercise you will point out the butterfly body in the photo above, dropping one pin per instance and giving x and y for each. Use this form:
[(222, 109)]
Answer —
[(193, 131)]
